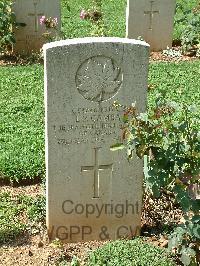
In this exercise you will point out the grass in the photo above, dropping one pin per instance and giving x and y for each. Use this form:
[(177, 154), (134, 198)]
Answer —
[(74, 27), (176, 81), (21, 88), (10, 224), (17, 213), (129, 253), (114, 16), (21, 122), (22, 111)]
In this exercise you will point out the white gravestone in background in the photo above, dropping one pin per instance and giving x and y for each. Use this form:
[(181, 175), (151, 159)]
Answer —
[(30, 37), (152, 20), (92, 192)]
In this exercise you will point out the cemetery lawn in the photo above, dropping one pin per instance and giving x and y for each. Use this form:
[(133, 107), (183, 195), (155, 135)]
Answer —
[(22, 122), (22, 111), (74, 27), (113, 25), (23, 236), (22, 209)]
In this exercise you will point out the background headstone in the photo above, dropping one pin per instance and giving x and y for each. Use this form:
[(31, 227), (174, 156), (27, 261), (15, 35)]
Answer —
[(92, 192), (30, 38), (152, 20)]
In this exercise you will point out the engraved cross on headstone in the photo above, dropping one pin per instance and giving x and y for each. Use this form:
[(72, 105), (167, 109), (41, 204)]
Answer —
[(36, 16), (151, 13), (96, 168)]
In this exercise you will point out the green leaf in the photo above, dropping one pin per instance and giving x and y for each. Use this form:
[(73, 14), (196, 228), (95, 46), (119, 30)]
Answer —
[(116, 147), (75, 262), (196, 219), (196, 231), (156, 191), (187, 255), (196, 205), (68, 8), (183, 197)]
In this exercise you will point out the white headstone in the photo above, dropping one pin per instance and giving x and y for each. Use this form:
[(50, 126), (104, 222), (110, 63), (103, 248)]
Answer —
[(151, 20), (30, 37), (92, 192)]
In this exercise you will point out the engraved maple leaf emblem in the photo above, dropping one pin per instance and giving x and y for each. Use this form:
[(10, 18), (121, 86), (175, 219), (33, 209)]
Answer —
[(99, 79)]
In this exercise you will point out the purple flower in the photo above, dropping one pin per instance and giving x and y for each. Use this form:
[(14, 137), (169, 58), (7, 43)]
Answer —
[(42, 20), (83, 14)]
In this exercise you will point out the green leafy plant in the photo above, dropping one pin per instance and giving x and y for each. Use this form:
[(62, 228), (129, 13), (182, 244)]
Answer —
[(37, 210), (10, 224), (187, 26), (184, 12), (190, 38), (169, 137), (7, 24), (52, 33), (185, 240), (95, 15), (130, 253), (20, 214), (75, 262), (7, 19)]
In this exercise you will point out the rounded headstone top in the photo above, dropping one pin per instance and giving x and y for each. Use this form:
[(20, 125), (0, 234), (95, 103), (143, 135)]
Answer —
[(88, 40)]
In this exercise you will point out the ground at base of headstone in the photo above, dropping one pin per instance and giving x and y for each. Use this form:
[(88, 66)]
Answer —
[(158, 217), (171, 55), (11, 59)]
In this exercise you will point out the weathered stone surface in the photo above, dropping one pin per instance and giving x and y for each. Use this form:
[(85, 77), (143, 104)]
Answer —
[(30, 38), (152, 20), (92, 192)]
